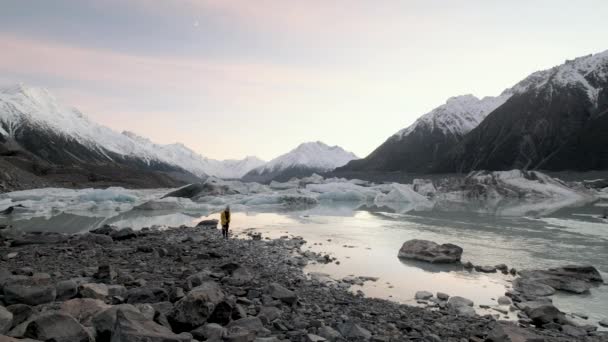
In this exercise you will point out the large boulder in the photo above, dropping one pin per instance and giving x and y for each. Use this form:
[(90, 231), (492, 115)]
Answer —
[(545, 314), (21, 313), (461, 306), (94, 291), (430, 251), (196, 307), (531, 288), (83, 309), (6, 320), (574, 279), (29, 290), (58, 327), (132, 326), (104, 322)]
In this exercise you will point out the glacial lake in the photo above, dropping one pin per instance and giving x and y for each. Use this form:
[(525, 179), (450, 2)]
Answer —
[(366, 241)]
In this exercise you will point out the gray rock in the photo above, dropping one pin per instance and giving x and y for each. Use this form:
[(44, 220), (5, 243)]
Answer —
[(147, 295), (123, 234), (39, 239), (430, 251), (66, 289), (94, 291), (443, 296), (103, 322), (251, 324), (314, 338), (269, 313), (21, 313), (485, 269), (132, 326), (105, 273), (544, 314), (105, 230), (330, 334), (83, 309), (353, 332), (196, 307), (28, 291), (146, 310), (504, 300), (209, 332), (241, 276), (532, 288), (423, 295), (6, 320), (57, 327), (208, 224), (198, 279), (574, 331), (277, 291), (575, 279), (604, 323), (117, 291), (457, 301)]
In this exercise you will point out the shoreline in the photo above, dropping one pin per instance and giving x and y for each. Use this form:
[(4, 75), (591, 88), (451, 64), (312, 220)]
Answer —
[(155, 270)]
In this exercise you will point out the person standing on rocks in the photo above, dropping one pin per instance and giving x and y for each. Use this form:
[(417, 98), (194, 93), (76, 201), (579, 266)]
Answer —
[(225, 218)]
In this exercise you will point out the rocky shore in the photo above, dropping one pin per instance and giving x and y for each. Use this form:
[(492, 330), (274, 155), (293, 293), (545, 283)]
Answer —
[(188, 284)]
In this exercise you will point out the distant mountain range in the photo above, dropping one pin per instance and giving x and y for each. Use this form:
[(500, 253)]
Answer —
[(56, 143), (304, 160), (553, 120), (44, 143)]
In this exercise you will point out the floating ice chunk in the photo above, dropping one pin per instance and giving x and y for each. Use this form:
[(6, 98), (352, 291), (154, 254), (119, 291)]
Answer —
[(343, 192), (403, 194), (114, 194), (424, 187)]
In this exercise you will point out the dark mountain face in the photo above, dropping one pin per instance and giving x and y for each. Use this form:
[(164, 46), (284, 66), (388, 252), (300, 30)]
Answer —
[(417, 152), (554, 128)]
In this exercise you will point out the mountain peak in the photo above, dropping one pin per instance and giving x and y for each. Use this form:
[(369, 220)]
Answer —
[(313, 155)]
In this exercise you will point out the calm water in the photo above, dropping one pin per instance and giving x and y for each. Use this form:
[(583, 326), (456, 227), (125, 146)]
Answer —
[(366, 243)]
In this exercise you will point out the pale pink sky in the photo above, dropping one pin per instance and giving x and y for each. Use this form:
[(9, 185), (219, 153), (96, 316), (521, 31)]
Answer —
[(231, 78)]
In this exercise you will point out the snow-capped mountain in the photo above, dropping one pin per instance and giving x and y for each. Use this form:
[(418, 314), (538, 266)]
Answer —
[(179, 154), (422, 146), (557, 122), (34, 121), (458, 116), (302, 161)]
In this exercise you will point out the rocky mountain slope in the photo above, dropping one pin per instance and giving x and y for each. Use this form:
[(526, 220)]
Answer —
[(304, 160), (59, 145), (558, 123), (551, 120)]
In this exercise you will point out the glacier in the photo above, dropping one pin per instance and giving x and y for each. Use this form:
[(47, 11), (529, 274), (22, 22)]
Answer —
[(510, 193)]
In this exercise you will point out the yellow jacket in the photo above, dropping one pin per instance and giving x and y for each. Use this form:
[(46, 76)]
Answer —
[(225, 217)]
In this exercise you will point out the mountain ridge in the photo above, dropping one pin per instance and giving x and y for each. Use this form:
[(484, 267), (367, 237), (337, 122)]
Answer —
[(304, 160), (423, 146)]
